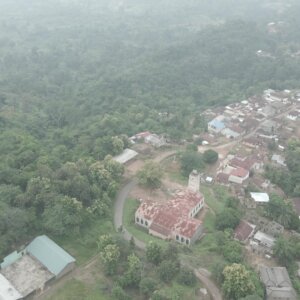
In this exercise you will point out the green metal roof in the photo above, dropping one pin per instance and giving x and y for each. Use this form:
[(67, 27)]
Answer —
[(53, 257), (10, 259)]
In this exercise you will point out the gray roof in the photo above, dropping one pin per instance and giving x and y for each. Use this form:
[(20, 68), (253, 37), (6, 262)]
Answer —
[(283, 293), (125, 156), (277, 282), (53, 257), (275, 277)]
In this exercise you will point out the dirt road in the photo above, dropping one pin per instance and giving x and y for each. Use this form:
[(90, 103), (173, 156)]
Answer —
[(202, 274)]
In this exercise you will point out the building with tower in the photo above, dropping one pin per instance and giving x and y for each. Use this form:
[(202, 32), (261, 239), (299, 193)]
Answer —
[(174, 219)]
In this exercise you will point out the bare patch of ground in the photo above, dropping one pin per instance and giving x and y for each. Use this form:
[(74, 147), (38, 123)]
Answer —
[(256, 260)]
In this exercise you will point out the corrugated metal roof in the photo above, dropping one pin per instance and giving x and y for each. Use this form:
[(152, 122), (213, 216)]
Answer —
[(10, 259), (52, 256), (125, 156)]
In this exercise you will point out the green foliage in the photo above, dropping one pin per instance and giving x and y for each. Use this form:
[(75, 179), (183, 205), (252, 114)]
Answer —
[(150, 175), (289, 179), (217, 272), (148, 285), (282, 212), (287, 250), (119, 294), (110, 256), (252, 297), (167, 270), (187, 277), (63, 216), (104, 240), (190, 161), (228, 218), (154, 253), (210, 156), (237, 282), (133, 274), (233, 252)]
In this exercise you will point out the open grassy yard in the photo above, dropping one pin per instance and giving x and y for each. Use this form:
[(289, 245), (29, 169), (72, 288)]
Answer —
[(78, 290), (83, 245), (177, 291), (215, 196)]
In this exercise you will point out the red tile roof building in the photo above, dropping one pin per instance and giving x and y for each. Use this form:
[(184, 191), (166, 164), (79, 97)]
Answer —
[(244, 231), (173, 219)]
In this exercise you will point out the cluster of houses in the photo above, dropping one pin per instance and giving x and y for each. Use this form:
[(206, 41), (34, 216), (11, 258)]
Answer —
[(174, 219), (236, 169), (28, 272), (238, 119)]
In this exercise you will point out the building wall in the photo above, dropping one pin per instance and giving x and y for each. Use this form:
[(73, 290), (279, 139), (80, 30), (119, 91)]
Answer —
[(197, 234), (196, 209), (66, 270), (142, 221), (236, 179), (159, 235)]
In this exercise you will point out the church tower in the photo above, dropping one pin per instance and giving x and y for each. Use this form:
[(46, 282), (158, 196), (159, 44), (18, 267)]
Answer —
[(194, 182)]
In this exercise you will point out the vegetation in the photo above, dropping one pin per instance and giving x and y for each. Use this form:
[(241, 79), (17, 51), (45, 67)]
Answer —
[(191, 160), (210, 156), (289, 179), (71, 93), (150, 175), (282, 212), (237, 282)]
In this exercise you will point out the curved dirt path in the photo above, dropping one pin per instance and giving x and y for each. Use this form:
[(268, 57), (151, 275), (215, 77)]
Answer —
[(202, 274)]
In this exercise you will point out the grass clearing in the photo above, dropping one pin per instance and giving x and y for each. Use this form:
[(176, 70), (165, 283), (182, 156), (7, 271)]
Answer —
[(78, 290), (212, 200), (209, 221), (140, 233), (83, 245), (178, 291)]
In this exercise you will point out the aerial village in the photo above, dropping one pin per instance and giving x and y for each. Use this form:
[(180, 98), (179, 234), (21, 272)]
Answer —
[(241, 133)]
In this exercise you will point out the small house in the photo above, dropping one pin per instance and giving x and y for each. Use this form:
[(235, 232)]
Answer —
[(238, 175)]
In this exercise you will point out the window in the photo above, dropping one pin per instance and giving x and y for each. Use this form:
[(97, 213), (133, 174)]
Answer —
[(142, 221), (177, 238), (146, 223), (138, 220), (187, 242), (182, 240)]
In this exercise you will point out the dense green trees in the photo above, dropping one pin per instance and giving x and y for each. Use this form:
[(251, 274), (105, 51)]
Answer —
[(289, 179), (191, 160), (282, 212), (154, 253), (210, 156), (228, 218), (287, 251), (150, 175), (237, 282)]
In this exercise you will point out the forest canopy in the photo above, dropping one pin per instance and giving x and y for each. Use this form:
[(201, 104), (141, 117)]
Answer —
[(78, 77)]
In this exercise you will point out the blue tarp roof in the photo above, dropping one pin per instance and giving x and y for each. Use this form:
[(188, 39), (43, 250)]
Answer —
[(53, 257), (217, 124)]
